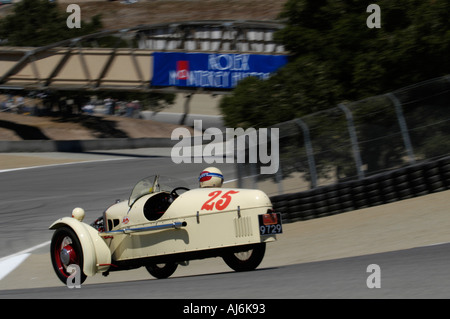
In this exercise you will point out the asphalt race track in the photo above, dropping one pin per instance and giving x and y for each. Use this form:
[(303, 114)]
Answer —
[(31, 199), (414, 273)]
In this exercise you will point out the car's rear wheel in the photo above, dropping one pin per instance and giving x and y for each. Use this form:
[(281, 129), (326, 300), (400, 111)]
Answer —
[(161, 271), (245, 260), (65, 250)]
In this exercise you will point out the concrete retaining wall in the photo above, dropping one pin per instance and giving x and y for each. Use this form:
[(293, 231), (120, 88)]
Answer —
[(83, 145)]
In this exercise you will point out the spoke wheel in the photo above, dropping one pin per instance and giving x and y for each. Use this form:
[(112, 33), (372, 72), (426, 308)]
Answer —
[(65, 250), (246, 260)]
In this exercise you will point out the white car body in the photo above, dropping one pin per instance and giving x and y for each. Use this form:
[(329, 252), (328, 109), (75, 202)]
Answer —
[(156, 227)]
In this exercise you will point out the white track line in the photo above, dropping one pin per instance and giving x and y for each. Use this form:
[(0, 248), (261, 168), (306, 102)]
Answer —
[(26, 251), (8, 265), (11, 262), (62, 164)]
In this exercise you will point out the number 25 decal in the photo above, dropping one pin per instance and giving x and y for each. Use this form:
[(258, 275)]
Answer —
[(221, 204)]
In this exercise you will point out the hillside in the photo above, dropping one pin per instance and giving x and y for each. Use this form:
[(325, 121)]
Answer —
[(117, 15)]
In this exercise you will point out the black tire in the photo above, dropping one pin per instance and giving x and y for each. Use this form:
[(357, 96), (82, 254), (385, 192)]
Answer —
[(66, 239), (246, 260), (162, 271)]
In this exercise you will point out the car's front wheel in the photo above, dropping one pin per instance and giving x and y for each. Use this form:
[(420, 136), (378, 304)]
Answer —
[(66, 253), (161, 271), (246, 260)]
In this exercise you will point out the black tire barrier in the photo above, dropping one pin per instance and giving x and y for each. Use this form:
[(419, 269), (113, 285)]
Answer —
[(403, 183)]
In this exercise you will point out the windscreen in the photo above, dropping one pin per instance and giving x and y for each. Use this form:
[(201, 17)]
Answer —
[(154, 184)]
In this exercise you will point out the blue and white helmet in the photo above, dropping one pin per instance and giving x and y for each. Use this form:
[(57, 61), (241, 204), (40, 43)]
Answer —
[(211, 177)]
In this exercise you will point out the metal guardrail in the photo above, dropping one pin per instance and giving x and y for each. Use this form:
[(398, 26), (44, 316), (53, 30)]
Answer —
[(356, 140), (404, 183)]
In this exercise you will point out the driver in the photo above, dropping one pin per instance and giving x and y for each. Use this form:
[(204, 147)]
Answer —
[(210, 177)]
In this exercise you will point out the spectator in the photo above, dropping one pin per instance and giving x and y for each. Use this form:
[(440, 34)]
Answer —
[(130, 109), (109, 106)]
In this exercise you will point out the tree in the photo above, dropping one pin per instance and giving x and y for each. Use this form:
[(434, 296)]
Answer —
[(411, 46), (302, 87), (41, 22), (336, 58)]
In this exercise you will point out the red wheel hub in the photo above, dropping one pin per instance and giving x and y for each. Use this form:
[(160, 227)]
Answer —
[(68, 255), (65, 256)]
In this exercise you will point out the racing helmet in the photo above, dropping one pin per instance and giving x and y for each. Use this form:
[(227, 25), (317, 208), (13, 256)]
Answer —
[(210, 177)]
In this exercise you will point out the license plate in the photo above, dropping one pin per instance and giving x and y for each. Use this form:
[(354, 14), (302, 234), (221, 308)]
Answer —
[(270, 224)]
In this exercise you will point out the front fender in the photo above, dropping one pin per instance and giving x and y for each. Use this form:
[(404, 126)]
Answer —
[(96, 253)]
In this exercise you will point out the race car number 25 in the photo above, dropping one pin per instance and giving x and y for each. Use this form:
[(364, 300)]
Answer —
[(217, 201)]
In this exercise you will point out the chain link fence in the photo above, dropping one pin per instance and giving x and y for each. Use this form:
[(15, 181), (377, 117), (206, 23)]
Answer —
[(359, 139)]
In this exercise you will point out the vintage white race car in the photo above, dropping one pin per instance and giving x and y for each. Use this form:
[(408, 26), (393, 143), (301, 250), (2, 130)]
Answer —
[(164, 224)]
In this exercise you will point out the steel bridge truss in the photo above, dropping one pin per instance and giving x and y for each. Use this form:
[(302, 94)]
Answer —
[(122, 59)]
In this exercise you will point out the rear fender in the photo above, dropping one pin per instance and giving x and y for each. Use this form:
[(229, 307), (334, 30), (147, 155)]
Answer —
[(96, 253)]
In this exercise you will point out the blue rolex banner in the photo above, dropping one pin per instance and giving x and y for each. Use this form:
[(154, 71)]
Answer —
[(205, 70)]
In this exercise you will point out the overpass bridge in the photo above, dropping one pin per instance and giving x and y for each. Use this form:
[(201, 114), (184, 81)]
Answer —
[(125, 59)]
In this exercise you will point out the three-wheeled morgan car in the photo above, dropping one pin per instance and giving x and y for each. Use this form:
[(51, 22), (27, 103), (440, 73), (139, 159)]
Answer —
[(164, 224)]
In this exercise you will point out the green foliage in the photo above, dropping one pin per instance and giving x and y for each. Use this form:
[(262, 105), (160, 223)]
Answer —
[(41, 22), (412, 44), (336, 57), (302, 87)]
